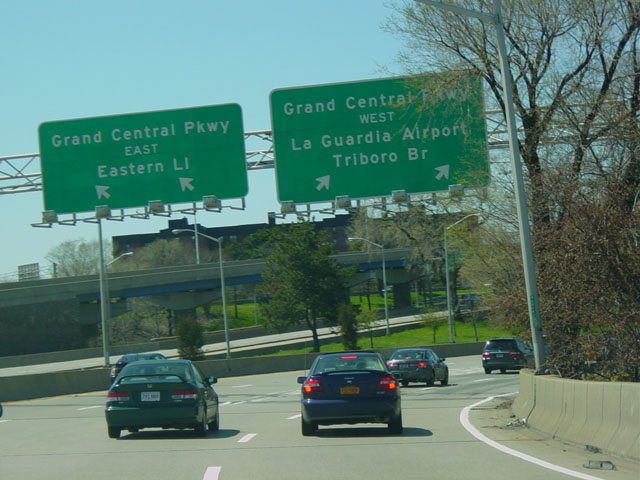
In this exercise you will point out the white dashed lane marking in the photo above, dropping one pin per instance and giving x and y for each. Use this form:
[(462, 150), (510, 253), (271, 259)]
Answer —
[(247, 437)]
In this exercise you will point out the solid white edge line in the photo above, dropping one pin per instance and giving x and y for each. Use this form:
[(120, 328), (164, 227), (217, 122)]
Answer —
[(464, 420), (212, 473)]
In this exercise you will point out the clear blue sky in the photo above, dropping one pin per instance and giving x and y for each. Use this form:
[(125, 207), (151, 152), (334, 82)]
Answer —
[(73, 59)]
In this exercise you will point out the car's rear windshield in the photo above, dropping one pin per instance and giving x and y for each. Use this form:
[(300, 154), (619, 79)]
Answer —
[(149, 369), (506, 344), (348, 362), (408, 355)]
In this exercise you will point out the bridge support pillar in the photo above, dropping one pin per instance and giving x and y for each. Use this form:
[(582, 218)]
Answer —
[(402, 295)]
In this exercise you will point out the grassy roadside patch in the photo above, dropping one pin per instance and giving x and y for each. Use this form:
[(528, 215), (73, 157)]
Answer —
[(464, 333)]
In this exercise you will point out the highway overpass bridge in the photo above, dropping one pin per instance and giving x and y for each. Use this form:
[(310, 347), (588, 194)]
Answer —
[(65, 311)]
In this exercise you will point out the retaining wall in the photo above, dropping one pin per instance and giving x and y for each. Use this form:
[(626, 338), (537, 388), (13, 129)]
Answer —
[(605, 415)]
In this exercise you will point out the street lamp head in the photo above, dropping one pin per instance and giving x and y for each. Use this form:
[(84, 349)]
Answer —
[(353, 239), (176, 231)]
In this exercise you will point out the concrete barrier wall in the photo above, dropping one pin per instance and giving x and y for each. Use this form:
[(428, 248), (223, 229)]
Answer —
[(601, 414), (24, 387), (168, 343)]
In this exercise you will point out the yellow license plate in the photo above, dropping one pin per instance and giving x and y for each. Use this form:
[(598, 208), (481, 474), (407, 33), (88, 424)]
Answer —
[(349, 390)]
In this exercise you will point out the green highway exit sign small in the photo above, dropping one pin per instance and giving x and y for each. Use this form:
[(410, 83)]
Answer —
[(366, 139), (125, 161)]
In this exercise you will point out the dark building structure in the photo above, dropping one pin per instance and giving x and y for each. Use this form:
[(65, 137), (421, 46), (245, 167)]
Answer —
[(335, 226)]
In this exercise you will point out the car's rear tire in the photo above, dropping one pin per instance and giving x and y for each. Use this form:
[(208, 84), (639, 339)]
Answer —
[(404, 383), (308, 428), (201, 428), (395, 425), (503, 370), (431, 379), (445, 379), (487, 371), (214, 426), (114, 432)]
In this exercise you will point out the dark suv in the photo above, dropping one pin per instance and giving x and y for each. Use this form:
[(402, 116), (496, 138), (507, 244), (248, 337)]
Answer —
[(505, 354), (132, 357)]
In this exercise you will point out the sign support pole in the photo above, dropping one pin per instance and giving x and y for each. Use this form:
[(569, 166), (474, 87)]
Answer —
[(105, 301)]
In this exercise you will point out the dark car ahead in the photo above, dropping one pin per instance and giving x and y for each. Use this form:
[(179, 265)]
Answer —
[(418, 365), (505, 354), (132, 357), (162, 394), (350, 388)]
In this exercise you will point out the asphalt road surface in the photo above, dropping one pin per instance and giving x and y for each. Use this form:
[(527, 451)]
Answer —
[(445, 437)]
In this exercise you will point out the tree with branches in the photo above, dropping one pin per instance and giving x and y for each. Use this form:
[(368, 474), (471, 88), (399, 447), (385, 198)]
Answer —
[(302, 284), (575, 72)]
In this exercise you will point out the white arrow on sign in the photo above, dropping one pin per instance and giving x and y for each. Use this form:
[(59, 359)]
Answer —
[(323, 182), (101, 191), (186, 183), (443, 171)]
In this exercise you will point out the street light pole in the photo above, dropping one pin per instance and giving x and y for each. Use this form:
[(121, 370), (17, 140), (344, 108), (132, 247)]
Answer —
[(384, 280), (195, 238), (224, 298), (446, 275)]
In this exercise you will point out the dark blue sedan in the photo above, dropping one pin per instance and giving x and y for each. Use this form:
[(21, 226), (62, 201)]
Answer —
[(350, 388)]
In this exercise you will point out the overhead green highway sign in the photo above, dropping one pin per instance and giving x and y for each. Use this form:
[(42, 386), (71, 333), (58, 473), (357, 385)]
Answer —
[(370, 138), (125, 161)]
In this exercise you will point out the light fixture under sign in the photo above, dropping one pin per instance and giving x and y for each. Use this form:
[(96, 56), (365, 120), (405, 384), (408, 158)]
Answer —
[(156, 206), (103, 211), (211, 201), (343, 201), (287, 207), (399, 196), (49, 216), (456, 190)]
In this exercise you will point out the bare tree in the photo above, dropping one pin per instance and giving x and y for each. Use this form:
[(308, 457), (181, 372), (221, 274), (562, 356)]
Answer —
[(76, 257)]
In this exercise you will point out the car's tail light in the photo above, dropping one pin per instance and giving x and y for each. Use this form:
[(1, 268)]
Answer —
[(387, 383), (514, 354), (312, 385), (486, 355), (184, 394), (119, 396)]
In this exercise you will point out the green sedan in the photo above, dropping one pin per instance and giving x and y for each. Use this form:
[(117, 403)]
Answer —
[(162, 394)]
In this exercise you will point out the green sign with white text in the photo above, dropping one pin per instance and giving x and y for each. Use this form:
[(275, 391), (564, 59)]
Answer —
[(366, 139), (125, 161)]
